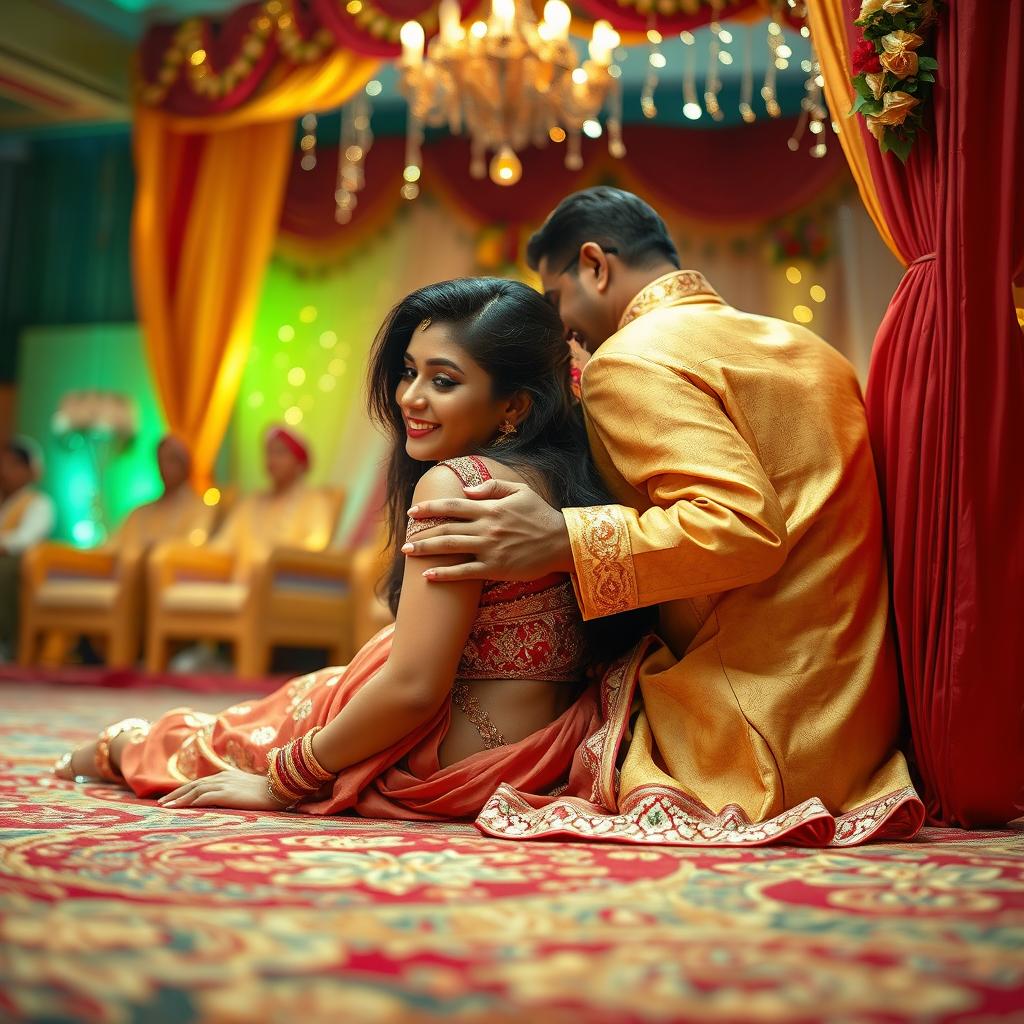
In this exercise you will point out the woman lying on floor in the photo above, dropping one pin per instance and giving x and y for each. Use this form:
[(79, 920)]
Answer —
[(477, 684)]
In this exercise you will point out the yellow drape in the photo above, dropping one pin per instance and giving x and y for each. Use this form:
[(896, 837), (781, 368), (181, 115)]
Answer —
[(828, 29), (197, 297)]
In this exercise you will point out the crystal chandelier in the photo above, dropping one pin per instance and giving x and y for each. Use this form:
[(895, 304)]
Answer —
[(508, 83)]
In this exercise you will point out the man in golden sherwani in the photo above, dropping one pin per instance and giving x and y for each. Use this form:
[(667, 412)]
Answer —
[(737, 448)]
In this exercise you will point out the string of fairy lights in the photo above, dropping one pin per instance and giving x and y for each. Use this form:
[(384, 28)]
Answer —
[(301, 384)]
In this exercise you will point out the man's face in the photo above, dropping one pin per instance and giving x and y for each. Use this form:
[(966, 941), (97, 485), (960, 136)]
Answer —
[(283, 466), (173, 465), (579, 291), (14, 474)]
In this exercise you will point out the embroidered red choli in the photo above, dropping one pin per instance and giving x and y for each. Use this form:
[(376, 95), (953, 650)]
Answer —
[(522, 630)]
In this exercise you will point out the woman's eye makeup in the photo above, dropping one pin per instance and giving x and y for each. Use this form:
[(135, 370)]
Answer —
[(440, 380)]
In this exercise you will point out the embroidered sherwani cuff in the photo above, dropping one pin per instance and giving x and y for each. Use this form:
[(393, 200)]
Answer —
[(604, 578)]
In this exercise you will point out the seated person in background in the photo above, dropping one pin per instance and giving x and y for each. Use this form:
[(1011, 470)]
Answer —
[(178, 512), (26, 518), (289, 514)]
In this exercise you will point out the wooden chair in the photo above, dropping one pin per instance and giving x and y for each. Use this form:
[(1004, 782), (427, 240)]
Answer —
[(292, 597), (67, 593), (100, 593)]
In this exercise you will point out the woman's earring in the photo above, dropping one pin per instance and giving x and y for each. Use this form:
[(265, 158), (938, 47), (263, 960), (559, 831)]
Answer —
[(505, 431)]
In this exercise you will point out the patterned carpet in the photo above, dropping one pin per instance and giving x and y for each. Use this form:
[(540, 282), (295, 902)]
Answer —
[(116, 910)]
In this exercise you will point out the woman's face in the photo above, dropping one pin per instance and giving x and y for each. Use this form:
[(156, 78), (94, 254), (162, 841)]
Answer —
[(445, 398)]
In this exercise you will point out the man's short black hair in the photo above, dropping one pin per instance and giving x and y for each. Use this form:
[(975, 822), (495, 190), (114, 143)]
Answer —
[(609, 216)]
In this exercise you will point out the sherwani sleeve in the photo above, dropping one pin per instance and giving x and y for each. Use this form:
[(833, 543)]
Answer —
[(715, 521)]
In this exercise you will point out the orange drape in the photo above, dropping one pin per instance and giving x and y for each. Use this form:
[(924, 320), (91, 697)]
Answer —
[(207, 204), (827, 20)]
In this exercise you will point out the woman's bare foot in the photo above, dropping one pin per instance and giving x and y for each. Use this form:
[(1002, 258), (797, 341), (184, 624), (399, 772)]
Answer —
[(81, 762), (78, 763)]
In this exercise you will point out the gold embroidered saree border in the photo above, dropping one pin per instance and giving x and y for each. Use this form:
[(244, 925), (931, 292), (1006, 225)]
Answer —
[(664, 815), (604, 579), (660, 815)]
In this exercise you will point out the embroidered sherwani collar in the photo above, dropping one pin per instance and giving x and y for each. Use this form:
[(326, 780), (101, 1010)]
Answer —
[(665, 291)]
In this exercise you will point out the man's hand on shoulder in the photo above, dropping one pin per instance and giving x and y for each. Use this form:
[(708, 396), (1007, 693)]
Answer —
[(507, 530)]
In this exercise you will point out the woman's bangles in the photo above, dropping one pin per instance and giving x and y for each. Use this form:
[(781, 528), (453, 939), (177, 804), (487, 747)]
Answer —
[(293, 772)]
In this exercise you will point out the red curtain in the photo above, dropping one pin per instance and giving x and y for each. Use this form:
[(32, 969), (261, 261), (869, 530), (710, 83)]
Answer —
[(945, 401)]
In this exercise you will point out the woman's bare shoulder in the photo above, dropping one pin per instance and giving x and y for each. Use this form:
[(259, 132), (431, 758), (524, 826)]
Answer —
[(438, 482)]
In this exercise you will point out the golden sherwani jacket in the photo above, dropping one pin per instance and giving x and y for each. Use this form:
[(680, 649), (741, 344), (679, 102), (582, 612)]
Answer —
[(748, 510)]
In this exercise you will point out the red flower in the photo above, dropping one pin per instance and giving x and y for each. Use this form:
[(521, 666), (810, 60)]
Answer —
[(865, 59)]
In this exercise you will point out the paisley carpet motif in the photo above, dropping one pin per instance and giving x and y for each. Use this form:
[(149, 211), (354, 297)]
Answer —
[(116, 910)]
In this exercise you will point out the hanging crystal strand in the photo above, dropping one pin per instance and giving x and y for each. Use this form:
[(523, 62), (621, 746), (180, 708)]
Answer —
[(308, 143), (771, 103), (818, 111), (712, 82), (655, 61), (616, 147), (356, 140), (344, 192), (477, 161), (798, 132), (691, 106), (413, 157), (362, 136), (573, 153), (747, 85)]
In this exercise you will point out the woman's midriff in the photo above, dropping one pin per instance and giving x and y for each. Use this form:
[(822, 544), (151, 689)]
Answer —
[(517, 707)]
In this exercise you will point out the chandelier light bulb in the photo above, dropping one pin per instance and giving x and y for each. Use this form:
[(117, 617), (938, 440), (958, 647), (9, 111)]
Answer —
[(503, 15), (557, 16), (603, 42), (478, 29), (450, 18), (412, 39), (505, 167)]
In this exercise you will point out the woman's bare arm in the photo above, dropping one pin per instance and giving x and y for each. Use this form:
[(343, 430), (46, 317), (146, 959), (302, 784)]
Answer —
[(430, 634)]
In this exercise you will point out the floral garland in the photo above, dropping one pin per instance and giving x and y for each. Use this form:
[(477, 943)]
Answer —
[(802, 238), (893, 81)]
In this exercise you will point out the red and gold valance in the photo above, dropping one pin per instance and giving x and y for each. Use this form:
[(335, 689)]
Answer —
[(202, 66)]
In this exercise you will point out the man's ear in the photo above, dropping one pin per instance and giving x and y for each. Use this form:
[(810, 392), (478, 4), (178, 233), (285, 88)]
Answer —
[(594, 264)]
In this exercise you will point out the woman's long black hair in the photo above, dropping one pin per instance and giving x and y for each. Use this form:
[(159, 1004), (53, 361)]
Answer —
[(515, 335)]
